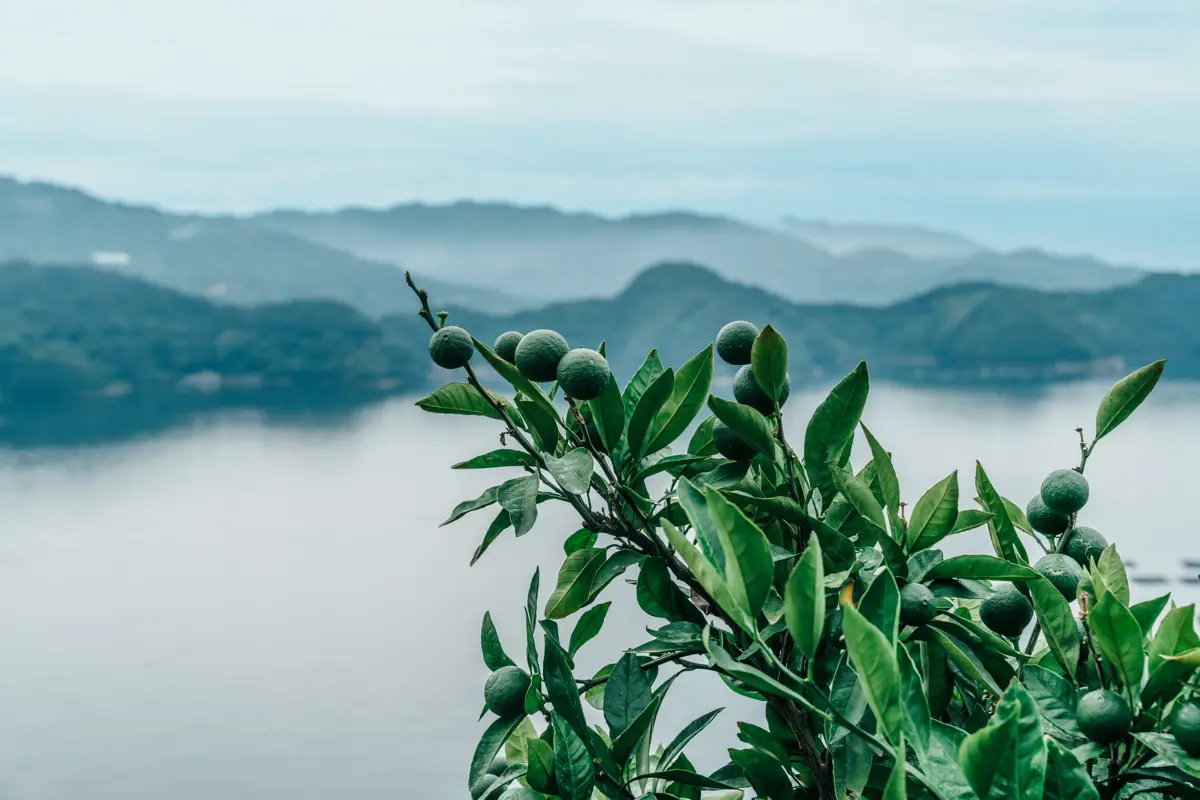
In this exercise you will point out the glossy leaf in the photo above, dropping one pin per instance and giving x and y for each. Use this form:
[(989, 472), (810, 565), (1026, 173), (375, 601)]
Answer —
[(695, 504), (560, 686), (1056, 698), (969, 519), (1147, 612), (1166, 747), (889, 484), (896, 787), (608, 415), (500, 524), (466, 507), (962, 657), (675, 465), (746, 422), (675, 749), (498, 458), (880, 604), (527, 388), (659, 596), (769, 362), (915, 705), (1176, 635), (1006, 759), (860, 497), (765, 774), (831, 429), (804, 599), (749, 566), (687, 398), (458, 398), (573, 771), (874, 660), (627, 694), (1112, 571), (531, 604), (646, 374), (1004, 534), (574, 582), (980, 568), (935, 513), (941, 765), (613, 568), (1118, 637), (541, 423), (493, 652), (519, 498), (648, 406), (1066, 778), (489, 745), (701, 443), (539, 770), (588, 627), (624, 744), (579, 540), (573, 471), (706, 574), (1058, 624), (1125, 396)]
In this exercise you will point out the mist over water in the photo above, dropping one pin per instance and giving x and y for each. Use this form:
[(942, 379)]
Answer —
[(248, 609)]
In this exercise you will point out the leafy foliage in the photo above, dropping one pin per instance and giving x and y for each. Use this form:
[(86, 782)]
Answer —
[(799, 581)]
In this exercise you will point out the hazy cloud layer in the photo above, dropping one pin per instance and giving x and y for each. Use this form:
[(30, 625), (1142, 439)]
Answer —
[(1069, 124)]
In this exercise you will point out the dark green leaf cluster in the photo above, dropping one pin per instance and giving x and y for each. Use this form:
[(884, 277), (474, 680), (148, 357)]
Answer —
[(886, 669)]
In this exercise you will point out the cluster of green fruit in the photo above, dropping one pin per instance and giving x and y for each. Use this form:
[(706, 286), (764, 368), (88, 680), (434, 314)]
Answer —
[(503, 695), (541, 356), (735, 343)]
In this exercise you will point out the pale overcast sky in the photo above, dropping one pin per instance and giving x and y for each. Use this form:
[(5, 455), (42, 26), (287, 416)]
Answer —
[(1072, 124)]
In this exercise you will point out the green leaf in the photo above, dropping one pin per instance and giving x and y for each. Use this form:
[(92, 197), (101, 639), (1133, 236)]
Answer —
[(1147, 612), (769, 362), (874, 660), (749, 566), (687, 398), (515, 379), (966, 628), (579, 540), (963, 657), (466, 507), (561, 688), (458, 398), (542, 424), (519, 498), (1176, 635), (1056, 698), (1006, 759), (1066, 778), (646, 374), (1165, 746), (675, 749), (498, 458), (860, 497), (683, 776), (500, 785), (896, 787), (940, 764), (969, 519), (701, 443), (1113, 573), (1125, 396), (747, 423), (499, 525), (880, 604), (804, 599), (517, 744), (832, 427), (489, 745), (706, 574), (493, 652), (539, 772), (915, 706), (660, 597), (672, 464), (1004, 535), (1118, 637), (934, 515), (612, 569), (889, 484), (573, 771), (627, 694), (1058, 625), (531, 604), (624, 744), (695, 505), (608, 414), (573, 471), (588, 626), (980, 568), (765, 774), (574, 585), (647, 408)]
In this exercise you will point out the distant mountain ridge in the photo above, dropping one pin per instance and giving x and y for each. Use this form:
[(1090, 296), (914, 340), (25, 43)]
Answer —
[(843, 238)]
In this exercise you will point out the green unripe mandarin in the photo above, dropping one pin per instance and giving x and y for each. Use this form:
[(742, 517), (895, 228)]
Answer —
[(583, 374), (1065, 491), (451, 347), (1062, 571), (504, 692), (480, 788), (1044, 520), (538, 353), (1006, 611), (1103, 716), (1185, 727), (735, 342), (1085, 543), (747, 391), (918, 606), (506, 346), (729, 444), (498, 765)]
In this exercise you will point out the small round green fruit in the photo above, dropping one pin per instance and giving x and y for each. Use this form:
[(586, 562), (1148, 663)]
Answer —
[(1185, 727), (538, 353), (451, 347), (1045, 520), (747, 391), (1103, 716), (735, 341), (1062, 571), (1065, 491), (1085, 544), (729, 444), (583, 374), (506, 345), (918, 606), (1006, 611), (504, 692)]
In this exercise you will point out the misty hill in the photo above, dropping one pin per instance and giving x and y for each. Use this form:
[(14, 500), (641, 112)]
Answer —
[(842, 239), (67, 333), (547, 254), (964, 333), (225, 259)]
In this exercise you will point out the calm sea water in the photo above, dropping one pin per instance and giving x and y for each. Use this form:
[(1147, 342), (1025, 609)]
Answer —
[(245, 609)]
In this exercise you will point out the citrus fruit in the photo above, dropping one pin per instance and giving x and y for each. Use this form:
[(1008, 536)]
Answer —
[(538, 353), (729, 444), (747, 391), (482, 785), (504, 692), (498, 765), (506, 345), (583, 374), (451, 347), (1185, 726), (735, 342), (918, 606), (1103, 716), (1065, 491), (1006, 611), (1085, 543), (1062, 571), (1045, 520)]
